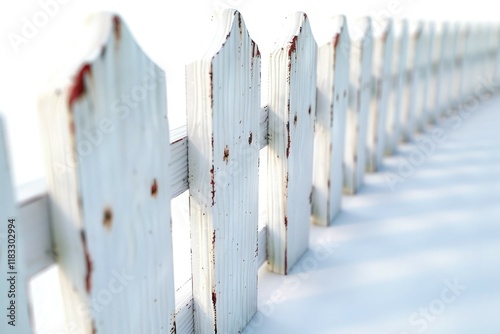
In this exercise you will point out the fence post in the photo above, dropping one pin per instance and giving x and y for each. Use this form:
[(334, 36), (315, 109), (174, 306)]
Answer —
[(381, 85), (223, 110), (292, 109), (14, 300), (359, 99), (398, 70), (331, 108), (107, 151)]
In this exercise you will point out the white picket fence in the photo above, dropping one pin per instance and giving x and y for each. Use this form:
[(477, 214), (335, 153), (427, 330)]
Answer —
[(333, 112)]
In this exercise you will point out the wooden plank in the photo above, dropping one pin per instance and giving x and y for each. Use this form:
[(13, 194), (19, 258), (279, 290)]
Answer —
[(429, 101), (381, 86), (110, 206), (14, 300), (292, 107), (331, 109), (223, 106), (410, 92), (398, 70), (359, 99)]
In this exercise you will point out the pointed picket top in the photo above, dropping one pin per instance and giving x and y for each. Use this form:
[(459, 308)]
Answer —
[(381, 85), (107, 155), (359, 99), (223, 113), (393, 122), (331, 109), (292, 109)]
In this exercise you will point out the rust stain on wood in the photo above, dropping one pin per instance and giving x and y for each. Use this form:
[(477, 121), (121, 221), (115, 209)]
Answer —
[(250, 138), (226, 154), (154, 188), (212, 183), (88, 262), (117, 28), (289, 139), (107, 220), (78, 87)]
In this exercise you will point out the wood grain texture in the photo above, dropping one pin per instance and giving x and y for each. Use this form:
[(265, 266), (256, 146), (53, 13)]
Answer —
[(223, 107), (13, 246), (292, 107), (383, 43), (398, 70), (329, 133), (359, 101), (110, 205)]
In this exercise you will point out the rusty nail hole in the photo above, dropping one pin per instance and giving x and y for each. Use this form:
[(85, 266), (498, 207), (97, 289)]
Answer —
[(108, 218), (154, 188), (295, 119), (226, 154), (309, 110), (250, 138)]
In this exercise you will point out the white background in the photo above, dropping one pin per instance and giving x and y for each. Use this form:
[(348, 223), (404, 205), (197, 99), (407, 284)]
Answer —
[(173, 33)]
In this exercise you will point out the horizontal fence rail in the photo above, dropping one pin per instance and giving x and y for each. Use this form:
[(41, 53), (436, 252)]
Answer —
[(333, 112)]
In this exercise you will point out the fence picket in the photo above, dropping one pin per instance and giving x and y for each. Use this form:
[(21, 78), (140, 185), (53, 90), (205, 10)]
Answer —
[(358, 105), (412, 82), (398, 70), (292, 108), (331, 108), (110, 205), (223, 106), (381, 86)]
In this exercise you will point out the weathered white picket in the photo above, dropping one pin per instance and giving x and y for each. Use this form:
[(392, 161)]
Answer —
[(13, 247), (113, 165), (292, 109), (110, 210), (427, 73), (380, 90), (359, 102), (331, 109), (223, 152), (412, 82), (398, 70)]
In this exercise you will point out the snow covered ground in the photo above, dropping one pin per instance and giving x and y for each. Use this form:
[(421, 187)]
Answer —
[(423, 258)]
